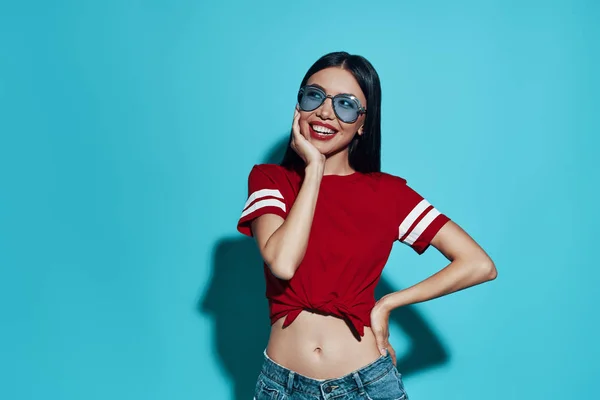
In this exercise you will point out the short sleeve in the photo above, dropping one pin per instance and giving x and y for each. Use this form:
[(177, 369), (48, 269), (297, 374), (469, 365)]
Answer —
[(264, 197), (418, 220)]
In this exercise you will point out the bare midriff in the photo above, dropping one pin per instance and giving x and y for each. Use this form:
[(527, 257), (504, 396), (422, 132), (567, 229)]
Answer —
[(320, 346)]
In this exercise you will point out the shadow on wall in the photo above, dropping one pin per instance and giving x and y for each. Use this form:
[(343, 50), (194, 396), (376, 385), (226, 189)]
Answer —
[(236, 300)]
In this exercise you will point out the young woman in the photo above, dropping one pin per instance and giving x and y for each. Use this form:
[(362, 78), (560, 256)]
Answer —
[(325, 221)]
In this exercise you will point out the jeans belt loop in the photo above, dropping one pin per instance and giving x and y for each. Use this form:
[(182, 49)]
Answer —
[(361, 389), (290, 383)]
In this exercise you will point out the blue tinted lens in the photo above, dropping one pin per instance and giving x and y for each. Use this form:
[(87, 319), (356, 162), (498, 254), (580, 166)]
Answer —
[(311, 98), (346, 108)]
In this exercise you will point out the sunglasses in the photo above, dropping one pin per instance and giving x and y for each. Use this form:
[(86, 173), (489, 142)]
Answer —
[(346, 107)]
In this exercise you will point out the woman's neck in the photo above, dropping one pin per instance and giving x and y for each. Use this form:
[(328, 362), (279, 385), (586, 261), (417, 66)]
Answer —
[(338, 164)]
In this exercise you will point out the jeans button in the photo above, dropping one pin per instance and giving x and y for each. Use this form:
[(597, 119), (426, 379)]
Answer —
[(328, 389)]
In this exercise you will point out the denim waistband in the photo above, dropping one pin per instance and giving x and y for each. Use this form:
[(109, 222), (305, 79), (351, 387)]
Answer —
[(326, 388)]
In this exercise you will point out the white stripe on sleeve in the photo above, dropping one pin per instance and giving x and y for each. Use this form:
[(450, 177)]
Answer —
[(412, 217), (262, 193), (263, 203), (421, 226)]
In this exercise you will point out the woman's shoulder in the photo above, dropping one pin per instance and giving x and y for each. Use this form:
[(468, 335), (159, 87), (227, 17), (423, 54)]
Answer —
[(386, 178), (274, 173), (273, 170)]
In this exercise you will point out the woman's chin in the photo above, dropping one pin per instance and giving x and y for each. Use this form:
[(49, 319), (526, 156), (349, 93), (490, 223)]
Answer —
[(322, 147)]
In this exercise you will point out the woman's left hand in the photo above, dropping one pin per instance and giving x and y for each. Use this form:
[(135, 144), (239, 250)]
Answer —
[(380, 325)]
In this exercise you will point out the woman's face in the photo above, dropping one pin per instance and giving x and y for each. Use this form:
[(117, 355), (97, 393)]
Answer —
[(333, 81)]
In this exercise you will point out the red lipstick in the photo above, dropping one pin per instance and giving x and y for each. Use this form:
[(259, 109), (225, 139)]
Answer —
[(321, 136)]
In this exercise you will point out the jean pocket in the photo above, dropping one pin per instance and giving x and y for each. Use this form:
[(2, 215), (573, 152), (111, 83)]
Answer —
[(264, 391), (388, 387)]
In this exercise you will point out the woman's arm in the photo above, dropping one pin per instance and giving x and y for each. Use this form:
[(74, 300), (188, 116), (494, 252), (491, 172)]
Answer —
[(469, 266), (282, 243)]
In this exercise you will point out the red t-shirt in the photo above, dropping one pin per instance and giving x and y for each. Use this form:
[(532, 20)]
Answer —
[(357, 219)]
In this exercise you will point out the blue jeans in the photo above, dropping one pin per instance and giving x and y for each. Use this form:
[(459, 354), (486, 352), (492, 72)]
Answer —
[(379, 380)]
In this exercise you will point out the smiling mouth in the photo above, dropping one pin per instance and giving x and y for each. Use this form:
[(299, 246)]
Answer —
[(320, 132)]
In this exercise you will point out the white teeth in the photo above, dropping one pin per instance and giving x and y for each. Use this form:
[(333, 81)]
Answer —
[(322, 129)]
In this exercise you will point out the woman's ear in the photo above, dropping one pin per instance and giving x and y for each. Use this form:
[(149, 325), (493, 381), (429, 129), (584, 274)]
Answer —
[(360, 130)]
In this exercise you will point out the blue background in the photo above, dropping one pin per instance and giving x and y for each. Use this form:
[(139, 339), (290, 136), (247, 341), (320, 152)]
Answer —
[(128, 129)]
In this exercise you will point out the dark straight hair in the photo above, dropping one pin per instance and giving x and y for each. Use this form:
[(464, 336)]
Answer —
[(364, 153)]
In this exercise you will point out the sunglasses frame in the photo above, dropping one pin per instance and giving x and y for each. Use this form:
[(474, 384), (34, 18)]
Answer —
[(361, 109)]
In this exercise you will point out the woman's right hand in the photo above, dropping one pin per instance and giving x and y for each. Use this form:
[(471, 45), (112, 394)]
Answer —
[(306, 150)]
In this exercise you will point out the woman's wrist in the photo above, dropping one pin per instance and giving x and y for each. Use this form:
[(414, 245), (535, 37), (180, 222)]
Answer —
[(315, 168), (386, 303)]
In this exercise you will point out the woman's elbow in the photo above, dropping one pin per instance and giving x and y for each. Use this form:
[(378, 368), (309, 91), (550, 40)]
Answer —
[(282, 270), (488, 270)]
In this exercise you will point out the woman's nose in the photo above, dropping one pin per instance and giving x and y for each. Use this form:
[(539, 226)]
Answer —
[(326, 109)]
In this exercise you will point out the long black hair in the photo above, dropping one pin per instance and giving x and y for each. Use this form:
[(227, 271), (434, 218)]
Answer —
[(364, 153)]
